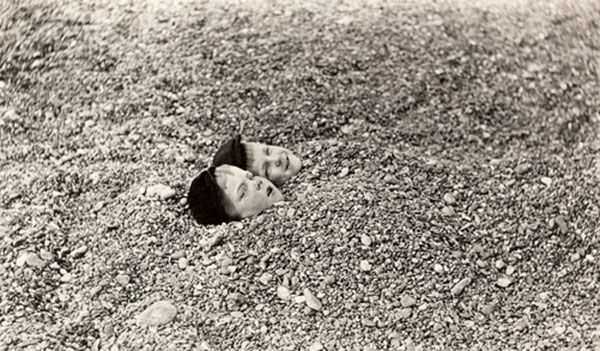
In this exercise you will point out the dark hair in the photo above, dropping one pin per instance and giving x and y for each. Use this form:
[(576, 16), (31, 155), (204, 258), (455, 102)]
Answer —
[(233, 152), (207, 201)]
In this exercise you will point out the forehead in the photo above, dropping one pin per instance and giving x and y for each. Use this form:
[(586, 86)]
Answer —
[(229, 176), (259, 147)]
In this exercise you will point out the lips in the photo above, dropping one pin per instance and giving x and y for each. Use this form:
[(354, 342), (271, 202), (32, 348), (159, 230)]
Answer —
[(287, 162)]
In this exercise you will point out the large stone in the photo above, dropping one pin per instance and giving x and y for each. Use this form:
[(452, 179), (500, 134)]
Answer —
[(159, 313), (312, 301), (460, 286), (160, 190)]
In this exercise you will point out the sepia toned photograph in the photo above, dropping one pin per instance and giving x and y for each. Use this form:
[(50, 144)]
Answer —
[(299, 175)]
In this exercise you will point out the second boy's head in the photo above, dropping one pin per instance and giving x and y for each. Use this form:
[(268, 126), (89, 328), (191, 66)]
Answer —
[(275, 163)]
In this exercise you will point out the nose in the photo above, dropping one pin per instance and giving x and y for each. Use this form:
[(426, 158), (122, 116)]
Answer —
[(280, 160), (258, 184)]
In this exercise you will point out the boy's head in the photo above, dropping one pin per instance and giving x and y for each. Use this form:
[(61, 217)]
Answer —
[(275, 163), (227, 193)]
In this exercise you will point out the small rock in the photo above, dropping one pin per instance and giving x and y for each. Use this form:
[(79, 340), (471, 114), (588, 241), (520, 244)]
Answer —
[(178, 254), (368, 322), (183, 201), (481, 263), (365, 265), (344, 172), (503, 282), (405, 313), (79, 251), (510, 270), (31, 259), (499, 264), (160, 190), (562, 224), (575, 257), (329, 280), (460, 286), (488, 309), (67, 277), (407, 301), (316, 346), (95, 290), (265, 278), (122, 279), (546, 181), (437, 326), (366, 240), (447, 211), (159, 313), (290, 213), (300, 299), (559, 330), (182, 262), (522, 168), (449, 199), (45, 255), (438, 268), (312, 301), (283, 293), (390, 179)]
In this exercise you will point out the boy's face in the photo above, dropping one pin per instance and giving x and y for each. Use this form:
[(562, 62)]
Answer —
[(275, 163), (248, 194)]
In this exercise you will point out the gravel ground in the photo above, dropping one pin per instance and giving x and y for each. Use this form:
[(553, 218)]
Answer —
[(449, 198)]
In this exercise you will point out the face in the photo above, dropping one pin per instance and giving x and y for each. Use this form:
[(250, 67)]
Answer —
[(275, 163), (249, 194)]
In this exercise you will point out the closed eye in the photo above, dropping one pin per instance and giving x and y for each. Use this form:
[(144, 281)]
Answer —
[(242, 191), (267, 151)]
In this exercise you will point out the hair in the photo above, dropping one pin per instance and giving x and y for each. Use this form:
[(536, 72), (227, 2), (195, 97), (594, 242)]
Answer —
[(207, 201), (234, 153)]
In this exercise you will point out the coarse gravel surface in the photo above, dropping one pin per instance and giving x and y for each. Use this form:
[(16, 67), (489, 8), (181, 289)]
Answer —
[(448, 199)]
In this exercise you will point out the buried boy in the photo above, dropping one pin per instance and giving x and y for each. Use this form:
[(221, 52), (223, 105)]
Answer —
[(275, 163), (226, 193)]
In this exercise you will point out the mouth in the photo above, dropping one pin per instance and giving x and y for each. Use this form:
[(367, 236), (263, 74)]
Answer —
[(269, 191), (287, 162)]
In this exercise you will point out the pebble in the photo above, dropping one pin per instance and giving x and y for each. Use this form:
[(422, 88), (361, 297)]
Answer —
[(449, 199), (365, 265), (390, 179), (31, 259), (183, 201), (316, 346), (159, 313), (67, 277), (95, 290), (329, 280), (178, 254), (522, 168), (546, 180), (312, 301), (488, 309), (562, 224), (182, 263), (575, 257), (265, 278), (504, 282), (510, 270), (45, 255), (283, 293), (407, 301), (300, 299), (499, 264), (366, 240), (344, 172), (438, 268), (447, 211), (460, 286), (160, 190), (79, 251), (405, 313), (122, 279)]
